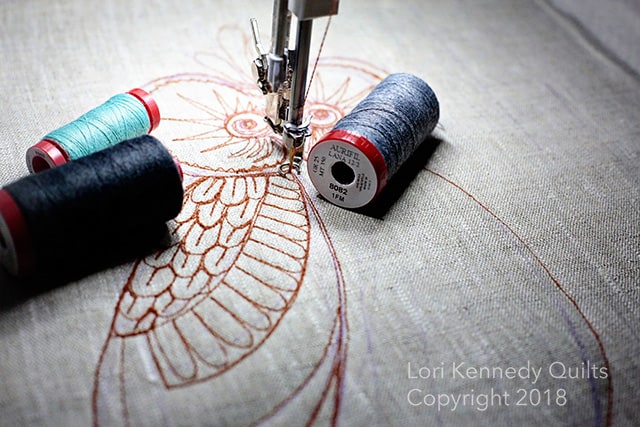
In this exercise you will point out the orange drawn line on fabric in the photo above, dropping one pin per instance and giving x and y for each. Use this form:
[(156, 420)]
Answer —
[(227, 366), (156, 359), (328, 108), (204, 323), (557, 284), (168, 359), (270, 264), (298, 242), (213, 333), (271, 286), (303, 384), (275, 248), (240, 321), (339, 368), (123, 396), (195, 351), (243, 296), (273, 233), (277, 220)]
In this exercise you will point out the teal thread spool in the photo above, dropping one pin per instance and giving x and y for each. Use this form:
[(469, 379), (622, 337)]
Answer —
[(122, 117)]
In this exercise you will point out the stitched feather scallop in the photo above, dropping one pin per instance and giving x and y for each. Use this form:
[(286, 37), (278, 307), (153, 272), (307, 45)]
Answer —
[(210, 299)]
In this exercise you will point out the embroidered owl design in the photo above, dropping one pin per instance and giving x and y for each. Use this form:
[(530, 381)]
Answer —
[(239, 251)]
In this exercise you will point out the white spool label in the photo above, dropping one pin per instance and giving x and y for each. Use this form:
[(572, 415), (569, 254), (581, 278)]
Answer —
[(342, 173)]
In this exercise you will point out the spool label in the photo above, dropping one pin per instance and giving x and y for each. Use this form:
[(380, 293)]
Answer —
[(342, 173)]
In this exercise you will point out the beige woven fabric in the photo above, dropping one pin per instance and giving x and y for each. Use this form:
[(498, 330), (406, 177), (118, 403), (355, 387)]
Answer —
[(495, 284)]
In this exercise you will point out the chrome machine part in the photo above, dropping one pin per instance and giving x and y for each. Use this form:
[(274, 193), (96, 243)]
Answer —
[(281, 74)]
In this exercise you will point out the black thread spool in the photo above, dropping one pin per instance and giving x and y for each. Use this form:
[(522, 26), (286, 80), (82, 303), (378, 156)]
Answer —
[(90, 213), (352, 163)]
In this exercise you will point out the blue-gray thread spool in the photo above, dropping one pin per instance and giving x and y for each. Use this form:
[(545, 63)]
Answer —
[(351, 164)]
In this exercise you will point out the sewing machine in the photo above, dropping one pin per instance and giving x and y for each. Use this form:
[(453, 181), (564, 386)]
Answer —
[(281, 73)]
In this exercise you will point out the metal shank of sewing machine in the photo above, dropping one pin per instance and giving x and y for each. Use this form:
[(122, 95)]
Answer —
[(281, 73)]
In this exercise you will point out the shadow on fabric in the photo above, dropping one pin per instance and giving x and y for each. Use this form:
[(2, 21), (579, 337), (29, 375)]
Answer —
[(401, 180)]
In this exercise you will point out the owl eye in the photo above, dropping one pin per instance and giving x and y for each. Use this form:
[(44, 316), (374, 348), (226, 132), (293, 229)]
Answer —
[(246, 124), (324, 115)]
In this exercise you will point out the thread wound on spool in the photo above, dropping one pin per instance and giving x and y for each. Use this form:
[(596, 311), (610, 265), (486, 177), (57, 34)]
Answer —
[(89, 211), (123, 116), (15, 250), (351, 164)]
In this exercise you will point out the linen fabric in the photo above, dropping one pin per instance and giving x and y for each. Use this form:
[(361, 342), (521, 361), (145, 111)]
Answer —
[(495, 283)]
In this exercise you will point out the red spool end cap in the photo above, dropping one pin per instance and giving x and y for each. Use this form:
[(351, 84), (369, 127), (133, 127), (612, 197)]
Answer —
[(15, 246), (149, 104), (44, 155), (179, 167)]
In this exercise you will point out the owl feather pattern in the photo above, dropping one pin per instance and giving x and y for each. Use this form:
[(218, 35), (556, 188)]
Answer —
[(245, 243), (236, 259), (206, 307)]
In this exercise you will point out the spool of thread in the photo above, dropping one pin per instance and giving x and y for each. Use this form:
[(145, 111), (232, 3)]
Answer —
[(90, 211), (352, 163), (122, 117)]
